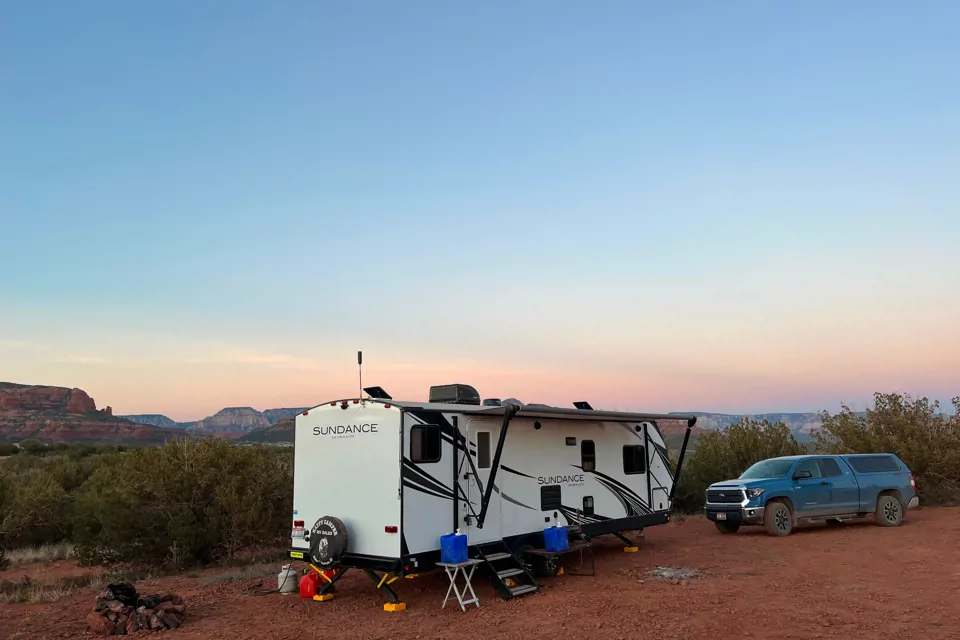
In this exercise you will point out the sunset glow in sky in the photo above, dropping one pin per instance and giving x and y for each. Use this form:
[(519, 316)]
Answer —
[(732, 207)]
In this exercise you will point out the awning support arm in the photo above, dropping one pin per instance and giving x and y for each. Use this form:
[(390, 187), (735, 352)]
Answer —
[(510, 410), (683, 450)]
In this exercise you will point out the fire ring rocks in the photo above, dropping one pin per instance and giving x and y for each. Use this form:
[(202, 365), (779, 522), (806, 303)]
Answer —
[(120, 610)]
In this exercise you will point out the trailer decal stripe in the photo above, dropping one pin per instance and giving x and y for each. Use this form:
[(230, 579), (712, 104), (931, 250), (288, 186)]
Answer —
[(514, 471), (412, 472), (409, 485), (633, 504), (509, 499)]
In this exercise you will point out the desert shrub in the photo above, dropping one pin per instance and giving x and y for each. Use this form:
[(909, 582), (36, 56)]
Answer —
[(4, 563), (726, 453), (914, 429), (184, 503), (35, 509), (8, 449), (34, 447)]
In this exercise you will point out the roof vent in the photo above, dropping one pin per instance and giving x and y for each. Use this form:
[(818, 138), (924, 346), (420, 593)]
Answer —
[(492, 402), (454, 394)]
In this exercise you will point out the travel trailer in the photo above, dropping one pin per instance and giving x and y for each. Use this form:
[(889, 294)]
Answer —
[(377, 482)]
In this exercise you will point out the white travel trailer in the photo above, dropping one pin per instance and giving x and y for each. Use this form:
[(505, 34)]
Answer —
[(377, 482)]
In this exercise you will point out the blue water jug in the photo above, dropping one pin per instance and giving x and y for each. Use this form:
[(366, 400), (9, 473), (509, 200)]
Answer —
[(555, 539), (453, 547)]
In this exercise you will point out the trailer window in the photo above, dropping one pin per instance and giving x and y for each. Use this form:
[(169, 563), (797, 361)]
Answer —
[(634, 459), (483, 450), (425, 443), (588, 455)]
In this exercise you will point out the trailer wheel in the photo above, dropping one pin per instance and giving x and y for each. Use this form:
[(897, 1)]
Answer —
[(889, 511), (778, 518), (727, 527), (328, 541)]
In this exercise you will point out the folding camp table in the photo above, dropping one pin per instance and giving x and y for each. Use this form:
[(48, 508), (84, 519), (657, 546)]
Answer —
[(452, 569)]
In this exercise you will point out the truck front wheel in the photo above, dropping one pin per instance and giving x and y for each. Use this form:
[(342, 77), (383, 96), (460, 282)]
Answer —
[(889, 511), (727, 527), (777, 518)]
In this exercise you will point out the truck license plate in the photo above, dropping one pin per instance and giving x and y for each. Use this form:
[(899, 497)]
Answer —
[(721, 516)]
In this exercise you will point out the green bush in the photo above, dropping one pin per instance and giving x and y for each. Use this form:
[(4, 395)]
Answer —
[(184, 503), (34, 509), (726, 453), (912, 428), (4, 563), (8, 449)]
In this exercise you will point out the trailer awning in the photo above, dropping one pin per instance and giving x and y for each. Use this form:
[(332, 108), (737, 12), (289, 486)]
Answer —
[(581, 414)]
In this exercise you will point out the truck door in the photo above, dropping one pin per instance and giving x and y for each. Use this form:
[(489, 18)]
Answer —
[(811, 496), (844, 490), (484, 435)]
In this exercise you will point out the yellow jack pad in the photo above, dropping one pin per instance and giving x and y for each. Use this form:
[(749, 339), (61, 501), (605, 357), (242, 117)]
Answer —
[(631, 549), (560, 571), (399, 606), (412, 576), (323, 597)]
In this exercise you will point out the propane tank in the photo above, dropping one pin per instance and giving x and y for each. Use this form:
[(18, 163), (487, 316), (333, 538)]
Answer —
[(287, 581)]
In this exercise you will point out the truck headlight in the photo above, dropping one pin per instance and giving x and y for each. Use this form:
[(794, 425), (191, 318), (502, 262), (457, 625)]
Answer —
[(754, 493)]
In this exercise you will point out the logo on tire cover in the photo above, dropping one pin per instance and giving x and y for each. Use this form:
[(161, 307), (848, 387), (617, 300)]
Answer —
[(328, 540)]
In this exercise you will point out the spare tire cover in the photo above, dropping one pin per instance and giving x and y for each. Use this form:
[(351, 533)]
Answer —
[(328, 541)]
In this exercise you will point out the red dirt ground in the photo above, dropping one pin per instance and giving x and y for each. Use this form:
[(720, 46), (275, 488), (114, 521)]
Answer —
[(855, 581)]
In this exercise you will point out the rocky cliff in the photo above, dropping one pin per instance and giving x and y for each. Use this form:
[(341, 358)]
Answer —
[(157, 420), (274, 416), (59, 414), (231, 422), (281, 432), (802, 425)]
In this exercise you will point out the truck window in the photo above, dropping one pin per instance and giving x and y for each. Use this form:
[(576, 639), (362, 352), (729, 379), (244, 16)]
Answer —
[(634, 459), (829, 468), (811, 466), (425, 443), (588, 455), (873, 464)]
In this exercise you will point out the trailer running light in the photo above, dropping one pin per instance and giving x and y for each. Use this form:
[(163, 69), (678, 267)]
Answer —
[(386, 406), (356, 402), (305, 412), (390, 529)]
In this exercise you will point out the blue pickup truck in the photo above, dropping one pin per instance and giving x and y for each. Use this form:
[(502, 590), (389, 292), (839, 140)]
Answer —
[(780, 493)]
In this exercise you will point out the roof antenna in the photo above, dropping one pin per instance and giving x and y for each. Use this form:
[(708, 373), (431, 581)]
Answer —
[(360, 370)]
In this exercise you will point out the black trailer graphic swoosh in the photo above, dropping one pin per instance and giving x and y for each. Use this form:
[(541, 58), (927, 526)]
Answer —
[(408, 484), (515, 472), (632, 503), (412, 472)]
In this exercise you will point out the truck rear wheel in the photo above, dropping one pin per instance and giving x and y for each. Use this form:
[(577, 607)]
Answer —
[(777, 518), (889, 511), (726, 527)]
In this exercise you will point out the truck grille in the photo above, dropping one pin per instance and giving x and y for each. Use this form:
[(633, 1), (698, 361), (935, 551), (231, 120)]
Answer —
[(725, 496)]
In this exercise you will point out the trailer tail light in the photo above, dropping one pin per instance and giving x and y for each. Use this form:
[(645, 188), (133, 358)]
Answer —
[(913, 483), (386, 406), (392, 529), (298, 530)]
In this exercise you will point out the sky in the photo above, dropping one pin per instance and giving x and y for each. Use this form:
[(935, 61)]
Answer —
[(732, 207)]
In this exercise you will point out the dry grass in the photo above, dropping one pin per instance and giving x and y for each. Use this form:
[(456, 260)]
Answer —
[(238, 575), (34, 591), (45, 553)]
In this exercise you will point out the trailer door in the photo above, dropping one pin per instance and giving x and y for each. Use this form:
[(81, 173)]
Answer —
[(483, 434)]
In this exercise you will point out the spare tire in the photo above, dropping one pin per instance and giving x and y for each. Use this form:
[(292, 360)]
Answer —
[(328, 541)]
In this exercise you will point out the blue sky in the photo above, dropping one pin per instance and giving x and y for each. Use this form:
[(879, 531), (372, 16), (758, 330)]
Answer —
[(707, 204)]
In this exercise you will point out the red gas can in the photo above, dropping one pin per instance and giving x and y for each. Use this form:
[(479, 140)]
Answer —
[(308, 585)]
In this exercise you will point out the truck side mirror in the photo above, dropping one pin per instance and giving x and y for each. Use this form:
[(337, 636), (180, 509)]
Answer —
[(800, 475)]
